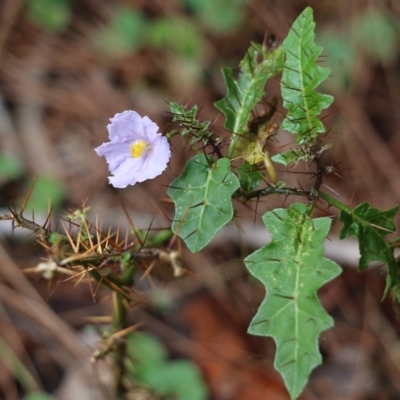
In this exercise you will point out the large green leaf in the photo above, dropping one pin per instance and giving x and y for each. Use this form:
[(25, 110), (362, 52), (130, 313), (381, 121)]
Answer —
[(246, 87), (292, 269), (202, 197), (371, 226), (301, 75)]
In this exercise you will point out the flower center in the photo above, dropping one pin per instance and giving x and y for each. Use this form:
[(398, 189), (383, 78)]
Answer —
[(137, 148)]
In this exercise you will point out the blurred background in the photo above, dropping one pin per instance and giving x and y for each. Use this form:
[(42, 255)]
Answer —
[(68, 66)]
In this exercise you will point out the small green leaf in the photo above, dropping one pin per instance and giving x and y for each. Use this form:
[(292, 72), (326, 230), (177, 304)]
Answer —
[(280, 184), (53, 15), (219, 16), (146, 353), (184, 117), (303, 153), (159, 238), (177, 34), (124, 34), (180, 378), (191, 126), (250, 176), (287, 157), (301, 75), (292, 269), (371, 226), (246, 87), (202, 197), (46, 191)]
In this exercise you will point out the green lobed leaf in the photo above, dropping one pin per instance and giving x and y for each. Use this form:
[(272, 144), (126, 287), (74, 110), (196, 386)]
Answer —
[(292, 269), (246, 87), (191, 126), (250, 176), (291, 156), (301, 75), (304, 153), (371, 226), (202, 197)]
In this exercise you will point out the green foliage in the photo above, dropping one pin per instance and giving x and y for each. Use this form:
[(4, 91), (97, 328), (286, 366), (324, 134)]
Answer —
[(191, 126), (292, 269), (373, 33), (159, 237), (124, 34), (371, 226), (52, 15), (246, 87), (10, 168), (177, 34), (202, 197), (11, 361), (376, 33), (38, 396), (219, 16), (301, 75), (250, 176), (46, 191), (180, 379), (340, 56), (304, 153), (293, 156)]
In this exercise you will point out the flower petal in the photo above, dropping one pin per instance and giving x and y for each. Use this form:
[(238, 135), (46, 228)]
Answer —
[(150, 129), (156, 160), (126, 173), (125, 125), (115, 153)]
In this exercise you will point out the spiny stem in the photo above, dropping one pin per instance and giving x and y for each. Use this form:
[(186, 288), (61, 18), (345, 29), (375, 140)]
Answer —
[(119, 323), (244, 196), (334, 202)]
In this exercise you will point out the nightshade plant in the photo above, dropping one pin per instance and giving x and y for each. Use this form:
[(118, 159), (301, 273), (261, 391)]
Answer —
[(292, 266)]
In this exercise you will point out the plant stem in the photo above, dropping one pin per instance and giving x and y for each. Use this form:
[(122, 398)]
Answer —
[(334, 202), (245, 196), (119, 351)]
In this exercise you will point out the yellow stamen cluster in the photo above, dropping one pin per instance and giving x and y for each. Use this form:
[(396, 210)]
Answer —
[(138, 148)]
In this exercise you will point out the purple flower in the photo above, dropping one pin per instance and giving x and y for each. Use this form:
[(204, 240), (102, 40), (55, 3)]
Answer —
[(136, 152)]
